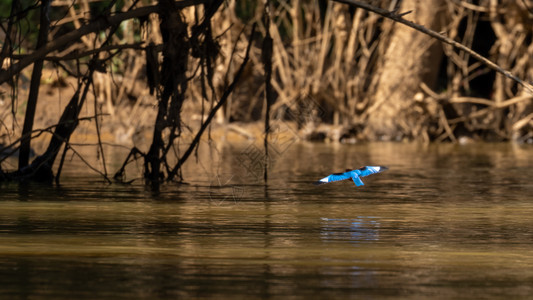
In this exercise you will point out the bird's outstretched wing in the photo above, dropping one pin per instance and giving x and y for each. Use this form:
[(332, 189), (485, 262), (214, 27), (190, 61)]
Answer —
[(369, 170), (333, 177), (355, 175)]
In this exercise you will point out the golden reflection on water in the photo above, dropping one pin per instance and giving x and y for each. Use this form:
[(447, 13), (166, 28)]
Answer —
[(445, 221)]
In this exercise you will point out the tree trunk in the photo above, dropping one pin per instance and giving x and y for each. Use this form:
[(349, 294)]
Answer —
[(25, 141), (41, 167), (410, 59)]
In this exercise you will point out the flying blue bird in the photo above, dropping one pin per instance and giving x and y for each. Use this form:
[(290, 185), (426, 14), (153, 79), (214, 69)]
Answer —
[(354, 175)]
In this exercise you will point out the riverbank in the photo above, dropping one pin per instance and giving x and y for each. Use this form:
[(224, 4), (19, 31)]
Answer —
[(130, 123)]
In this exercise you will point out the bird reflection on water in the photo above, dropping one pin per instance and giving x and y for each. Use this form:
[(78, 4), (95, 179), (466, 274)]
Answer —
[(355, 230)]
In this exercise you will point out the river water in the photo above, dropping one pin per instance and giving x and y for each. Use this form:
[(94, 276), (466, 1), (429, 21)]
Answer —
[(444, 222)]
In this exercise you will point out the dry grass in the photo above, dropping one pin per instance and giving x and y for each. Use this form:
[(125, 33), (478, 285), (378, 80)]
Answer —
[(326, 63)]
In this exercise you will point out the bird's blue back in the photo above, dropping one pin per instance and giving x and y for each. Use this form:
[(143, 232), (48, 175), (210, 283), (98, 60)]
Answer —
[(340, 176), (352, 174)]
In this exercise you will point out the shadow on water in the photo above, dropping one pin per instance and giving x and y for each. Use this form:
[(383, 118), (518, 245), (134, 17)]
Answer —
[(444, 222)]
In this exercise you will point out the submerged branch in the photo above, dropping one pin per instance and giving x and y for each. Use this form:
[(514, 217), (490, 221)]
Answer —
[(213, 111), (266, 57)]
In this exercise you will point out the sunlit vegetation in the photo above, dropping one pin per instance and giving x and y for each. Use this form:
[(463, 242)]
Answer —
[(338, 73)]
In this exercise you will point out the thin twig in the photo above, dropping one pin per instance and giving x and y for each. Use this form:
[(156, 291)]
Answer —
[(98, 134), (38, 132), (89, 165), (75, 55)]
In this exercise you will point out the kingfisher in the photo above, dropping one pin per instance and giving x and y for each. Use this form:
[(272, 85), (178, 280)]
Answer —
[(355, 175)]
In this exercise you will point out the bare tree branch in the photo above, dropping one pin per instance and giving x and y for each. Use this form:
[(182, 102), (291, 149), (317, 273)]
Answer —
[(77, 55), (398, 17), (97, 25), (213, 111)]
